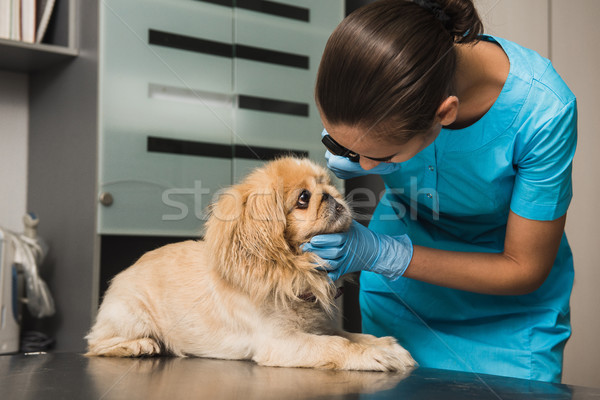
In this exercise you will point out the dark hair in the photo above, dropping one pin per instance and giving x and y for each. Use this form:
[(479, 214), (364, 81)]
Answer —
[(388, 66)]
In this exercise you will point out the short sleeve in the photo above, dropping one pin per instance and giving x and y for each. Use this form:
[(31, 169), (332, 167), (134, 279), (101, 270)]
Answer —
[(543, 186)]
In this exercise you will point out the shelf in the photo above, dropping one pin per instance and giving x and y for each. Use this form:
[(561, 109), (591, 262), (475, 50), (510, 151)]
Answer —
[(26, 57)]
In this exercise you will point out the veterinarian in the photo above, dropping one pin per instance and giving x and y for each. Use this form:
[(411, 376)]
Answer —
[(465, 260)]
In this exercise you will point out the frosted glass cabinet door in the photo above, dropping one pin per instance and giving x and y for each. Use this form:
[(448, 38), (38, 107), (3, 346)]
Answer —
[(275, 74), (164, 91), (162, 195)]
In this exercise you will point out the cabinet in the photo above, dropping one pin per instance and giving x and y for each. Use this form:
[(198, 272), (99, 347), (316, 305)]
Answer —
[(59, 44), (167, 102), (193, 94)]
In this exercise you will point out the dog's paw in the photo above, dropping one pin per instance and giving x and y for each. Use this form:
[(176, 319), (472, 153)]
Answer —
[(391, 357), (385, 354), (386, 341), (125, 348)]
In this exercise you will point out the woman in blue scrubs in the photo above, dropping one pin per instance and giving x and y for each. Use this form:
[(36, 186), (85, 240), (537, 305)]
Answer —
[(465, 260)]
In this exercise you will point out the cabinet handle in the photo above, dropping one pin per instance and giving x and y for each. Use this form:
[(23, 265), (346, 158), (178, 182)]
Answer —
[(106, 199)]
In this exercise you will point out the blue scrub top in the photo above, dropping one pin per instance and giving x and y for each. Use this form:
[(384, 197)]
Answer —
[(456, 195)]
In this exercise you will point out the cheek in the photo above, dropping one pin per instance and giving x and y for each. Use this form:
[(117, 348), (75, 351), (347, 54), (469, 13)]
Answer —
[(303, 223), (310, 216), (301, 220), (299, 227)]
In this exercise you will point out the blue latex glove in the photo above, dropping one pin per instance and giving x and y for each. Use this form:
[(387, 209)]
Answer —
[(343, 168), (361, 249)]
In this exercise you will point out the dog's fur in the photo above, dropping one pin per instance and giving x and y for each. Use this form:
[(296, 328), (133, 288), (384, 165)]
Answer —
[(247, 291)]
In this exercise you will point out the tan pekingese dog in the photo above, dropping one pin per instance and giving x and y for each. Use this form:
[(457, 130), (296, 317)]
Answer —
[(247, 291)]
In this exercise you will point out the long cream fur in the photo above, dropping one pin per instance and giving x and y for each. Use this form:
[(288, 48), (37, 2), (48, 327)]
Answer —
[(246, 291)]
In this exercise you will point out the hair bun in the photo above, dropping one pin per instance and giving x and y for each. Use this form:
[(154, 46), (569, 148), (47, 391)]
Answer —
[(436, 10), (460, 18)]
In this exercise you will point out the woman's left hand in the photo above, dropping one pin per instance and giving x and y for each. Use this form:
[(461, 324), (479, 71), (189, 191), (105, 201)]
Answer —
[(361, 249)]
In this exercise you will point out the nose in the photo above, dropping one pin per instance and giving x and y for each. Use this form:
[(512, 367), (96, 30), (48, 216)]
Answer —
[(333, 203), (329, 199), (367, 164)]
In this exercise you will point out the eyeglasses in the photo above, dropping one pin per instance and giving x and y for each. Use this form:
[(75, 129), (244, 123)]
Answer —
[(337, 149)]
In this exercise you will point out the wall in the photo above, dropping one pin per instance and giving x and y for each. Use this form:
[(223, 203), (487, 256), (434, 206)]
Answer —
[(13, 148), (575, 33)]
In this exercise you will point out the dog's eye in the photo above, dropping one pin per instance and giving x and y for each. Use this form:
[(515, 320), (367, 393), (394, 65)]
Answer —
[(303, 199)]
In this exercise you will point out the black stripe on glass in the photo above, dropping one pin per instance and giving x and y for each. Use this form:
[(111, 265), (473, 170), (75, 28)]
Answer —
[(188, 147), (267, 7), (270, 56), (264, 153), (205, 149), (189, 43), (271, 105), (221, 49), (226, 3)]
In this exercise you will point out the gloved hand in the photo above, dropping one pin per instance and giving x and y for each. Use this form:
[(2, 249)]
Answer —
[(362, 249), (343, 168)]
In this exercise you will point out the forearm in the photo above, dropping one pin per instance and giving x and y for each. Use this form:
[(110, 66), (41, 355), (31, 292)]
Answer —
[(487, 273), (530, 248)]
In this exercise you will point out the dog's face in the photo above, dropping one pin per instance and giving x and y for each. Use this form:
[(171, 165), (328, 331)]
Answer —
[(312, 205), (289, 198)]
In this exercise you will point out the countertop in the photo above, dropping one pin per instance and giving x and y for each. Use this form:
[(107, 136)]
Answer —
[(73, 376)]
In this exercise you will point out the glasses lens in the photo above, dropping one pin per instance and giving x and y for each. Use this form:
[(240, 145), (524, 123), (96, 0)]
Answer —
[(337, 149)]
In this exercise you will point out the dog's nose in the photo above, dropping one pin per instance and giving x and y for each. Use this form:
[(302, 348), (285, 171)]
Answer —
[(333, 204)]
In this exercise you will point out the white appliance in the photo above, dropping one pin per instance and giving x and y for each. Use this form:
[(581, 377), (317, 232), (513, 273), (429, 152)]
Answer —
[(9, 296)]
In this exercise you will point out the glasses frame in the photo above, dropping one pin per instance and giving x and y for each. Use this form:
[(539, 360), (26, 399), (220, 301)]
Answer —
[(338, 150)]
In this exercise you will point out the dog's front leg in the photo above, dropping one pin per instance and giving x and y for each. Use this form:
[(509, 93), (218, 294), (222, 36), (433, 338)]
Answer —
[(306, 350)]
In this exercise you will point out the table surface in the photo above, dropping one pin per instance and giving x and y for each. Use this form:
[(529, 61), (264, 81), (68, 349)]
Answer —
[(73, 376)]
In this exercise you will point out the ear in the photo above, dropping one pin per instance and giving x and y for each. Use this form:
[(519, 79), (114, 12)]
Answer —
[(224, 215), (448, 111), (248, 221), (263, 216)]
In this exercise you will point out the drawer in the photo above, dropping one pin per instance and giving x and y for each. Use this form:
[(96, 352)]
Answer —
[(282, 56), (156, 191), (286, 76), (130, 67)]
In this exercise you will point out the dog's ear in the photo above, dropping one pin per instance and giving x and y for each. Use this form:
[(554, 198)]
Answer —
[(245, 231), (252, 212), (264, 216)]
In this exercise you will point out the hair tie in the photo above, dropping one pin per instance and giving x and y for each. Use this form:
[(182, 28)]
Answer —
[(437, 11)]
